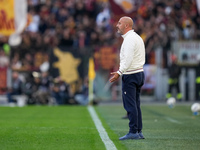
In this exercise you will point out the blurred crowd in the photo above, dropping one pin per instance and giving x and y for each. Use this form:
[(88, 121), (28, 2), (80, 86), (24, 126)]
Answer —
[(89, 23), (160, 22), (41, 89)]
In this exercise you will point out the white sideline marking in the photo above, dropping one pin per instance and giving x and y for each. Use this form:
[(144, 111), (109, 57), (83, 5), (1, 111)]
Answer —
[(102, 132), (173, 120)]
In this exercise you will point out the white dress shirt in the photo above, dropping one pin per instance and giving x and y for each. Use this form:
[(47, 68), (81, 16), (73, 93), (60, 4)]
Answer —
[(132, 54)]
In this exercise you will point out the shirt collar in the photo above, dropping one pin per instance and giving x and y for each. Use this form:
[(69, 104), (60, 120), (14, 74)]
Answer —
[(124, 35)]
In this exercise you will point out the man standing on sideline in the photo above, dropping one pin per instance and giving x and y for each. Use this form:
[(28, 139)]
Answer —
[(132, 59)]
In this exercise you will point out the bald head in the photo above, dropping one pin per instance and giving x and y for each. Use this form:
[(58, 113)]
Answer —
[(128, 21), (124, 25)]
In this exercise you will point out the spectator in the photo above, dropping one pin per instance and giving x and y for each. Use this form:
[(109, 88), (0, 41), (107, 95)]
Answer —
[(82, 97), (33, 27), (31, 87), (27, 62), (16, 88), (16, 63), (103, 17), (42, 94), (4, 60), (66, 39), (60, 91)]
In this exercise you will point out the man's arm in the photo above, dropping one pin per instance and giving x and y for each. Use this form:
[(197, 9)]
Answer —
[(128, 54)]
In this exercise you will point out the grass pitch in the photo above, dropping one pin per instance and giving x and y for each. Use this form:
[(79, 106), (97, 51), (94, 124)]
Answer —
[(71, 128), (48, 128), (164, 128)]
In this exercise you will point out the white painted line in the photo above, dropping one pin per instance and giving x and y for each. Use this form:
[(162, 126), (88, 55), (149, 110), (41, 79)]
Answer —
[(102, 132), (173, 120)]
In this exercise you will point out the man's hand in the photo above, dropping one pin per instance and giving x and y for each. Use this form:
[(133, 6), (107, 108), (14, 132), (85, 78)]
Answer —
[(114, 77)]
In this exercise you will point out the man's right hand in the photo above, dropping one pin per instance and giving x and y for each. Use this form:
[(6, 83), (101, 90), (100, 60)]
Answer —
[(114, 77)]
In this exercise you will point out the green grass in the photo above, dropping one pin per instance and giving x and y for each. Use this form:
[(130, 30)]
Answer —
[(48, 128), (163, 128), (71, 128)]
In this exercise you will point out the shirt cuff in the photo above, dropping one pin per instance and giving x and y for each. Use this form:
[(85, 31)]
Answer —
[(119, 72)]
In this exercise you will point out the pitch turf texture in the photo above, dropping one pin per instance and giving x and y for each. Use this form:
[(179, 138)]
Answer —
[(72, 128)]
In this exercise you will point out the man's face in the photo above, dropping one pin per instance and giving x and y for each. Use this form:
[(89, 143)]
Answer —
[(120, 26)]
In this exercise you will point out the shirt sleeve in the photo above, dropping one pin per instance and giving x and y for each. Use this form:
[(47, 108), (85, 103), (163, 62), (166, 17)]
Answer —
[(127, 55)]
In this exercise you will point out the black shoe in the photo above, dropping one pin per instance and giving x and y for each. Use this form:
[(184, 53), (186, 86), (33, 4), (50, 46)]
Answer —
[(141, 135), (133, 136)]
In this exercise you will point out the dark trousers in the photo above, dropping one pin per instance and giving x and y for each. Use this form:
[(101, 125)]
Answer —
[(174, 83), (131, 87)]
